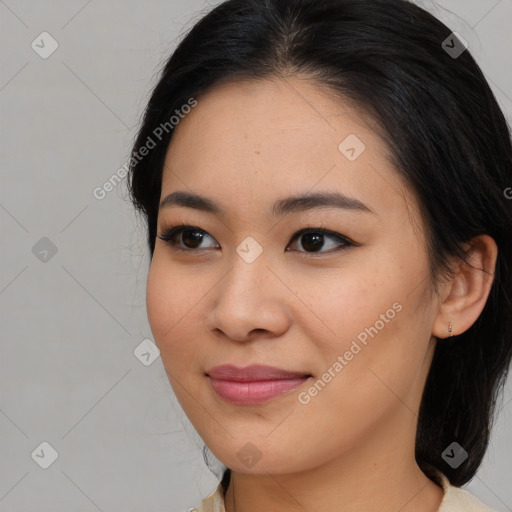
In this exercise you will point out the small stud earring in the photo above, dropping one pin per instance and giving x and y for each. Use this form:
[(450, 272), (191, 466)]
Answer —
[(450, 329)]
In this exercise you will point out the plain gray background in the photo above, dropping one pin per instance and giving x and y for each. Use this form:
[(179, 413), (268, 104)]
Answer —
[(70, 321)]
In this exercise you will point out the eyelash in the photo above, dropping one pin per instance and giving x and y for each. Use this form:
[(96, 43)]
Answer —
[(168, 234)]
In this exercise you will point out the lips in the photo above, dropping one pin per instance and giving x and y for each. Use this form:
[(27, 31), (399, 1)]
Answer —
[(253, 384), (253, 373)]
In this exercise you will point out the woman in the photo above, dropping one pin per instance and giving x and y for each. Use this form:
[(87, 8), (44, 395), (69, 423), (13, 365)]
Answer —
[(323, 184)]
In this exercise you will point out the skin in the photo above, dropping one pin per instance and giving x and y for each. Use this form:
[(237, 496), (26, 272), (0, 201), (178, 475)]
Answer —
[(244, 146)]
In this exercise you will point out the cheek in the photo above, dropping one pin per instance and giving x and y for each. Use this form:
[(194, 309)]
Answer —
[(157, 301), (377, 326), (361, 383), (168, 313), (349, 302)]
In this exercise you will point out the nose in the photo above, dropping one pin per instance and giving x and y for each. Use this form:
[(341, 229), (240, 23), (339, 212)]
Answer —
[(249, 302)]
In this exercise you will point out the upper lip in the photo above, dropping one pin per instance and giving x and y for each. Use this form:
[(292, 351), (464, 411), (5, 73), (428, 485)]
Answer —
[(254, 372)]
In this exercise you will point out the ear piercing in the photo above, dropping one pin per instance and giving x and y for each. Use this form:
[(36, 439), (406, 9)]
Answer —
[(450, 329)]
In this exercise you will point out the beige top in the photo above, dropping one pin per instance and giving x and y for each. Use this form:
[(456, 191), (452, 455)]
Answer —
[(455, 499)]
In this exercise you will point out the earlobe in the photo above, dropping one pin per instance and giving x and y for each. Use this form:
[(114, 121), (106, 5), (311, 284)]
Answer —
[(465, 296)]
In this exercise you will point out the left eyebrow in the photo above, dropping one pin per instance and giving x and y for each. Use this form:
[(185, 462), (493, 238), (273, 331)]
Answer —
[(292, 204), (304, 202)]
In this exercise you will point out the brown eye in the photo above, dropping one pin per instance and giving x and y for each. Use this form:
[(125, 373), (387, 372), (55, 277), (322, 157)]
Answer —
[(190, 239), (314, 239)]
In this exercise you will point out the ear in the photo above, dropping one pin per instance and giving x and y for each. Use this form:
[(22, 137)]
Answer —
[(463, 298)]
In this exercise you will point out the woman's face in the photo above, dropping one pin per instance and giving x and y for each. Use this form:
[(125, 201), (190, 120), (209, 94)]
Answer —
[(355, 317)]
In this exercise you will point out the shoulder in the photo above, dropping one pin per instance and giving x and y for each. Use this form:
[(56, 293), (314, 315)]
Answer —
[(213, 503), (456, 499)]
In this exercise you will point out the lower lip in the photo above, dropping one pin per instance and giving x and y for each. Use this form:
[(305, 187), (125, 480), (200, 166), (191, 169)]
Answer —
[(254, 392)]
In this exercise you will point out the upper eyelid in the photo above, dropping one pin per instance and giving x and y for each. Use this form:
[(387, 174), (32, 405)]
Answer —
[(186, 227)]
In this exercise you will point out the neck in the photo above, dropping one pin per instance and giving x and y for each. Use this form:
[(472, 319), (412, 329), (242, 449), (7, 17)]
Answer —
[(379, 474)]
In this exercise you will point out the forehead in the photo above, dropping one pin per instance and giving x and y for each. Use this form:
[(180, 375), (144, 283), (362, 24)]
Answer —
[(249, 143)]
